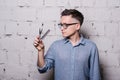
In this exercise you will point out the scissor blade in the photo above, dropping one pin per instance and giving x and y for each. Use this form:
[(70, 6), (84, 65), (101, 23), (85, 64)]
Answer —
[(45, 34)]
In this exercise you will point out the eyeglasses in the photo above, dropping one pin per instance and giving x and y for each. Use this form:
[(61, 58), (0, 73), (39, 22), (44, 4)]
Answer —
[(65, 25)]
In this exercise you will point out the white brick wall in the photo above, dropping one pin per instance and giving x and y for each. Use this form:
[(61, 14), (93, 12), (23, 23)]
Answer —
[(21, 19)]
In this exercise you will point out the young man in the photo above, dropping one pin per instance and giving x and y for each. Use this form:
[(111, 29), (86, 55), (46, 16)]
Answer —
[(74, 57)]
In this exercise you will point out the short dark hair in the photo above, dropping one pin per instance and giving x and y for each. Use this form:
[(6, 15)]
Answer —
[(74, 13)]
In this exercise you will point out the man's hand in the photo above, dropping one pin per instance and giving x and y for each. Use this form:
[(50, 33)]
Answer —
[(40, 47), (38, 44)]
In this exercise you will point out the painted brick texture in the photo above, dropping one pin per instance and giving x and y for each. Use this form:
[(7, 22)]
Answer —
[(21, 19)]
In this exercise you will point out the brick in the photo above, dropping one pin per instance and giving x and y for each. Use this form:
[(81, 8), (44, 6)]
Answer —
[(26, 57), (28, 44), (104, 43), (112, 73), (23, 28), (106, 58), (113, 3), (93, 28), (16, 72), (13, 43), (111, 29), (101, 14), (119, 28), (30, 3), (3, 57), (13, 57), (28, 28), (12, 3), (75, 2), (114, 14), (51, 14), (28, 14), (50, 2), (39, 14), (96, 14), (100, 3), (4, 13), (2, 71), (23, 3), (87, 3), (2, 28), (2, 3), (10, 28), (116, 45), (62, 2)]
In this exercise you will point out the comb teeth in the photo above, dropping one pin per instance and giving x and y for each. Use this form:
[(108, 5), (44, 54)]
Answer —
[(44, 35), (40, 31)]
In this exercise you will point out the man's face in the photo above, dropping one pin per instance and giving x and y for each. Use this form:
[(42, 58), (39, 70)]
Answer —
[(69, 26)]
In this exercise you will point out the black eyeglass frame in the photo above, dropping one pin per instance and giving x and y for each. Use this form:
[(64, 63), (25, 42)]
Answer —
[(65, 25)]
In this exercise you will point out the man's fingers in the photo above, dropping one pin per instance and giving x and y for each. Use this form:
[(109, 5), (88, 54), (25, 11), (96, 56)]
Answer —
[(41, 45), (38, 43), (37, 39), (35, 44)]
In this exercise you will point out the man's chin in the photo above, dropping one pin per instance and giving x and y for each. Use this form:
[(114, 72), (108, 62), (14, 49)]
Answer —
[(65, 36)]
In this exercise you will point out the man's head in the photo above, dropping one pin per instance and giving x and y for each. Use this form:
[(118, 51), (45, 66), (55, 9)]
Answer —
[(71, 21), (74, 14)]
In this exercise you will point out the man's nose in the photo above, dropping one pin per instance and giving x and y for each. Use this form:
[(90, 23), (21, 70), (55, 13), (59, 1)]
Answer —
[(62, 28)]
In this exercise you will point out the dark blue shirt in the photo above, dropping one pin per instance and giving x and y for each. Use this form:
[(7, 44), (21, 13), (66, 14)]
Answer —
[(79, 62)]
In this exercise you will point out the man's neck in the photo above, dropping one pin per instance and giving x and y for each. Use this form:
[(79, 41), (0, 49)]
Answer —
[(74, 39)]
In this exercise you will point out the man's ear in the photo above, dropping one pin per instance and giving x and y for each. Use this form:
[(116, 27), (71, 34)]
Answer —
[(78, 26)]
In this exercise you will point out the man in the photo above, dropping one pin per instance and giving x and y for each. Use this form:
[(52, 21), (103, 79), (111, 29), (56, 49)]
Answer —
[(74, 57)]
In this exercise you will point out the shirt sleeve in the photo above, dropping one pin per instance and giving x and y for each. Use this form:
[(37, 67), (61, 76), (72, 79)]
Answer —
[(43, 69), (49, 60), (94, 64)]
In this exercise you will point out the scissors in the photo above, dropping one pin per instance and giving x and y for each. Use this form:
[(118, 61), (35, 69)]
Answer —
[(45, 34)]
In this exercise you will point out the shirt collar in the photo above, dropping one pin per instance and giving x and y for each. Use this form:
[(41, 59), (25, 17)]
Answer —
[(82, 41)]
